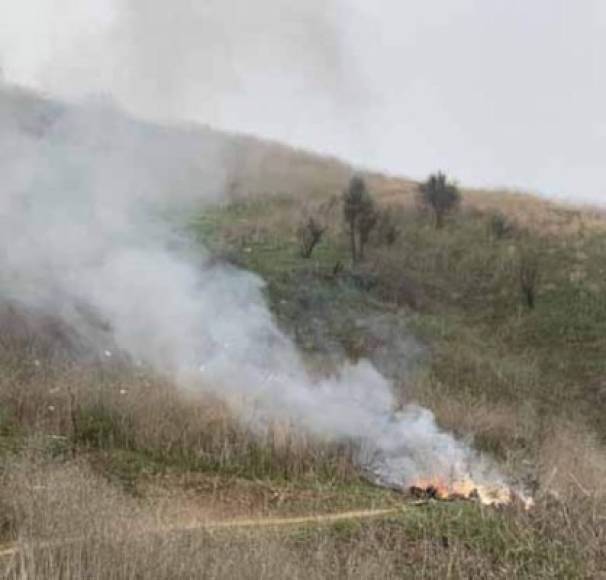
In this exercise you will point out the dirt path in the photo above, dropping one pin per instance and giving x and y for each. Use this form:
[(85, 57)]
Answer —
[(9, 550), (275, 522)]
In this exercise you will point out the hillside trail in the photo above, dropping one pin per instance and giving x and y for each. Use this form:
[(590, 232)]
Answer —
[(292, 521), (233, 524)]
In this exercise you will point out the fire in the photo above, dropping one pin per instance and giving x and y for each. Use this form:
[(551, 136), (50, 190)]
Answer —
[(467, 489)]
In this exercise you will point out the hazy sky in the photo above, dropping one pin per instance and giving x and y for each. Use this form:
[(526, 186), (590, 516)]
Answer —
[(496, 92)]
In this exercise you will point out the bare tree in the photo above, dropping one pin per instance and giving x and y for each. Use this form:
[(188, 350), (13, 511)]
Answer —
[(440, 196)]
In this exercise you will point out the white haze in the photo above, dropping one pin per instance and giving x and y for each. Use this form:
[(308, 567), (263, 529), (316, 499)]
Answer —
[(506, 93), (85, 197)]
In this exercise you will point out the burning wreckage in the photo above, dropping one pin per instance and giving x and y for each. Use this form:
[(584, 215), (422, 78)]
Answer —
[(428, 464), (443, 490), (492, 495), (437, 489)]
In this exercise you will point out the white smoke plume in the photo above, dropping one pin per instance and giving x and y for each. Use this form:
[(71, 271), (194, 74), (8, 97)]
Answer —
[(85, 195)]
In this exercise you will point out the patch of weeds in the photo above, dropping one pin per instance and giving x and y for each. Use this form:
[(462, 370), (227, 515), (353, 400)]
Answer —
[(9, 426), (126, 467), (58, 446), (98, 427)]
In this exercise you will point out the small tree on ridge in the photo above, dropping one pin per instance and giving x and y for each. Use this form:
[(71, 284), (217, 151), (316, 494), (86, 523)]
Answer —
[(360, 215), (440, 196)]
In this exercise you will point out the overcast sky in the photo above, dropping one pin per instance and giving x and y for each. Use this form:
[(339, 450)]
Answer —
[(495, 92)]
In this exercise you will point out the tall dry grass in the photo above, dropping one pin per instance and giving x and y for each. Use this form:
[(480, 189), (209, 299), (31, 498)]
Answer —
[(111, 405), (71, 524)]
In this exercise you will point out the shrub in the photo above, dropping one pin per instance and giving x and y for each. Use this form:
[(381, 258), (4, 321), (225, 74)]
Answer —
[(99, 427), (366, 224), (360, 215), (396, 283), (387, 230), (500, 227), (528, 275), (440, 196), (309, 234)]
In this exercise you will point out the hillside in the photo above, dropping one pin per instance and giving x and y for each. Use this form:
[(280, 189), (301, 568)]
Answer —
[(108, 469)]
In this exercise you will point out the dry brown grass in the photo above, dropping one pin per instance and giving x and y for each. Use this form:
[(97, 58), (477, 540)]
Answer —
[(44, 501), (537, 214), (110, 405), (497, 425), (572, 462), (71, 524), (559, 457), (525, 211)]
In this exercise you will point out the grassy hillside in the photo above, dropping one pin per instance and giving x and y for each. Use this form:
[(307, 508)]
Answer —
[(107, 470), (456, 289), (438, 311)]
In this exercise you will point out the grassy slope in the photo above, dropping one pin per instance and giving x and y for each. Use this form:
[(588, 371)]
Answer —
[(483, 364), (527, 387), (485, 343)]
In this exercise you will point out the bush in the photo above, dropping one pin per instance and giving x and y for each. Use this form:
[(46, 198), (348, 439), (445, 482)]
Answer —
[(309, 234), (366, 224), (360, 215), (528, 275), (500, 227), (439, 196), (387, 230)]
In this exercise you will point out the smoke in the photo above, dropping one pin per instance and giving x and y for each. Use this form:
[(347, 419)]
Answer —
[(87, 224), (272, 68), (400, 85)]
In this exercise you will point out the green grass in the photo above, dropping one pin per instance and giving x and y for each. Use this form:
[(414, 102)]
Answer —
[(486, 342)]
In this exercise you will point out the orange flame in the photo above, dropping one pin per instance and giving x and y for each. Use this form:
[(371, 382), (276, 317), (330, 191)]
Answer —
[(494, 495)]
